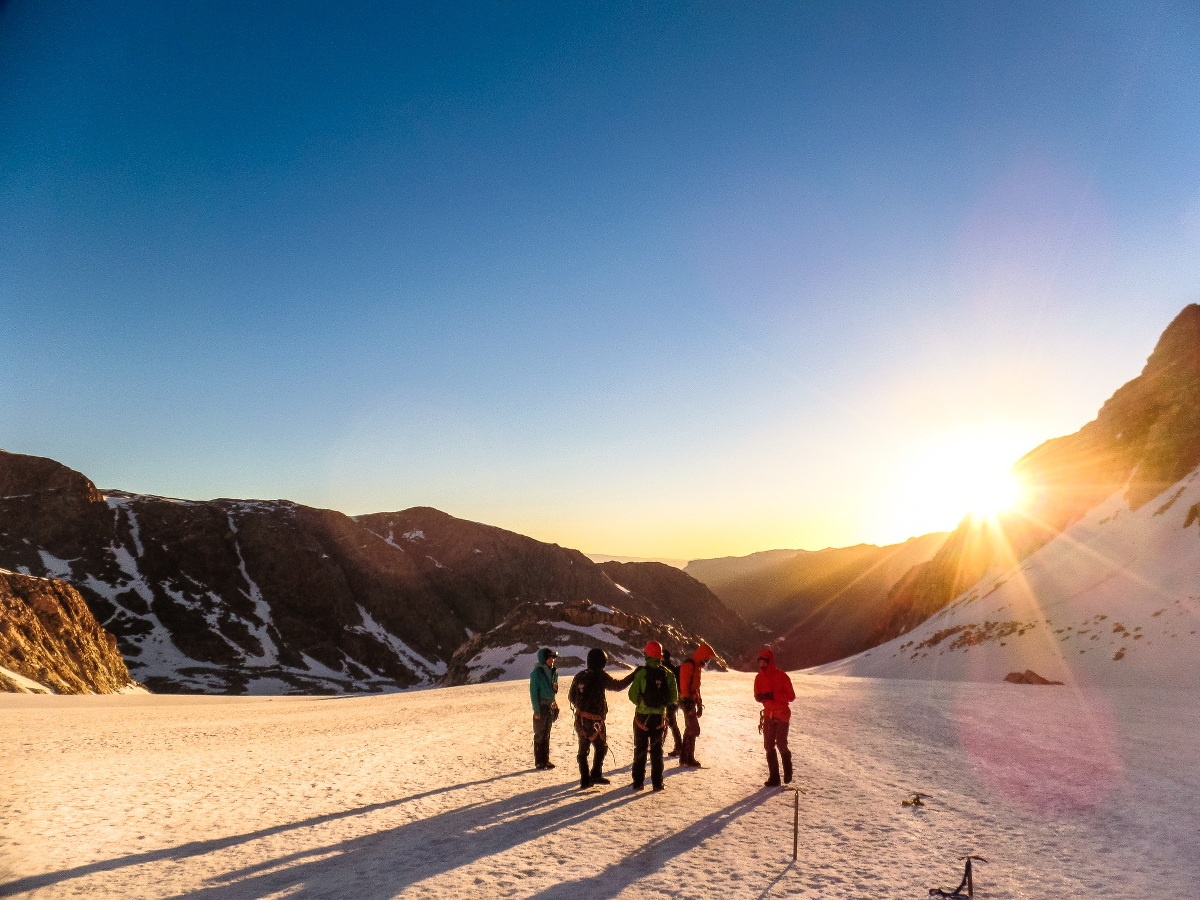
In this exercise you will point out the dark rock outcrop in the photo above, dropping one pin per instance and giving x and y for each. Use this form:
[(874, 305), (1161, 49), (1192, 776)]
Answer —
[(49, 636), (1028, 677), (1145, 439)]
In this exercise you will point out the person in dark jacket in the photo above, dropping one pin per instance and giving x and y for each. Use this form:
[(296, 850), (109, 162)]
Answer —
[(653, 690), (773, 689), (543, 686), (591, 707), (691, 702), (673, 709)]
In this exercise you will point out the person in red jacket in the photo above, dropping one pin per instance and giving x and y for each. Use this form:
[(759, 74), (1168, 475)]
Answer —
[(773, 689), (691, 702)]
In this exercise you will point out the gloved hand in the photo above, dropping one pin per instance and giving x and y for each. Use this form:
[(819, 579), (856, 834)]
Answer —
[(699, 710)]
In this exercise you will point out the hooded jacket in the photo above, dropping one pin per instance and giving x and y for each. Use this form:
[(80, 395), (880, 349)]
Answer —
[(543, 683), (639, 686), (773, 689), (689, 673)]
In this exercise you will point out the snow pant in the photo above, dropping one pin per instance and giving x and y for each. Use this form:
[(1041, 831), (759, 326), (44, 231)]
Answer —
[(648, 732), (775, 737), (541, 736), (591, 733), (691, 731), (673, 724)]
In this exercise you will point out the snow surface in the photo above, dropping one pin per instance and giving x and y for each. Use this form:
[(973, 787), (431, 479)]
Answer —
[(1114, 600), (1067, 793)]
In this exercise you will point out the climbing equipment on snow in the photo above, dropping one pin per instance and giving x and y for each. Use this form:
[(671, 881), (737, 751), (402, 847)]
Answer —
[(915, 800), (967, 882)]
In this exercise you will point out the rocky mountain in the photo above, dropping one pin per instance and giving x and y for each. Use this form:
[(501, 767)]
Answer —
[(51, 643), (1099, 578), (233, 596), (815, 606), (1145, 439)]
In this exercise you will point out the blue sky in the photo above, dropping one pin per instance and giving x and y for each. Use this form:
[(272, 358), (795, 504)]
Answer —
[(655, 279)]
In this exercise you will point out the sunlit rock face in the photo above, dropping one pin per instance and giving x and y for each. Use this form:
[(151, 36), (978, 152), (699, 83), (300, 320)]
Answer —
[(49, 640), (233, 596), (1142, 445)]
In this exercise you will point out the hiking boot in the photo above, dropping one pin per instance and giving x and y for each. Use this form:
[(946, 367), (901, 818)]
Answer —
[(600, 779), (584, 784), (691, 763), (674, 752), (658, 787), (547, 765), (639, 787), (773, 781)]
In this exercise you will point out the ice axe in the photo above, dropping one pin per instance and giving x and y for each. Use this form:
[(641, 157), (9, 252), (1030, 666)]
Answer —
[(967, 882), (796, 792)]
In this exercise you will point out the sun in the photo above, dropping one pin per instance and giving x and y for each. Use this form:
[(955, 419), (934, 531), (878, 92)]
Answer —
[(940, 481)]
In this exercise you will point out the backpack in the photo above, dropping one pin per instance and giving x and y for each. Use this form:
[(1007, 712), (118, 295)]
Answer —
[(656, 693), (587, 692)]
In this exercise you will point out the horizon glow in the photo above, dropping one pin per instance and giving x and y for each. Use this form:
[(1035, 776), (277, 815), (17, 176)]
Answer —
[(651, 281)]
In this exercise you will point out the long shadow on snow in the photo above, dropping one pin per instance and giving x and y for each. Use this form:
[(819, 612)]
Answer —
[(199, 848), (377, 866), (650, 858)]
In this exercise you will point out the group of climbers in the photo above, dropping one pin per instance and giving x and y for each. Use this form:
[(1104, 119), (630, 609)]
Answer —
[(657, 690)]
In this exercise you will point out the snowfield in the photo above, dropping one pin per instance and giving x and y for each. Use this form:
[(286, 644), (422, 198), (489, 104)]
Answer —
[(432, 794)]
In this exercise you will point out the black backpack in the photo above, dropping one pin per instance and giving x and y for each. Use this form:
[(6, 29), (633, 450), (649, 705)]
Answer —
[(587, 692), (656, 693)]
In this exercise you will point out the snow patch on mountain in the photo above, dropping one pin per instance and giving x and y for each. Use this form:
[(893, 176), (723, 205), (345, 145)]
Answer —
[(1115, 599)]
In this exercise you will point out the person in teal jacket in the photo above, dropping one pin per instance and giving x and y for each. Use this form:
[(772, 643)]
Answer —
[(653, 690), (543, 686)]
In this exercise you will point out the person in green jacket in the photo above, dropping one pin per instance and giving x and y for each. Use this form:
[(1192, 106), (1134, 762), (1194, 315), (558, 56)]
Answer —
[(653, 690), (543, 686)]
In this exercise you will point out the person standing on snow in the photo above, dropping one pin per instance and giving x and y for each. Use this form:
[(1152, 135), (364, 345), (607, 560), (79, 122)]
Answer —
[(673, 710), (691, 702), (543, 686), (773, 689), (591, 707), (653, 690)]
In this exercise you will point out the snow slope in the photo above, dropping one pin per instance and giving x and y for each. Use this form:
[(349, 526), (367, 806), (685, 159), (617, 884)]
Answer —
[(1114, 600), (1067, 793)]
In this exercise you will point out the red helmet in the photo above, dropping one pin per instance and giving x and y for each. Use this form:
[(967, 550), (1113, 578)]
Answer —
[(653, 650)]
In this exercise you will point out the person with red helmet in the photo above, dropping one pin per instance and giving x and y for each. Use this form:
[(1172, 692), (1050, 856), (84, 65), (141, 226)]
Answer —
[(691, 702), (653, 690), (773, 689)]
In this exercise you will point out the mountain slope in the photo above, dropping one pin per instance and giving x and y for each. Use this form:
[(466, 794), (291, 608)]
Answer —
[(819, 605), (1145, 439), (233, 596), (1102, 566)]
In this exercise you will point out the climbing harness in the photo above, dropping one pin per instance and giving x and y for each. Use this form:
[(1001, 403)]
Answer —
[(967, 882)]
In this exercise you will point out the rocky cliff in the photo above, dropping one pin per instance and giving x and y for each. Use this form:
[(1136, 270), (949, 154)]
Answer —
[(48, 636)]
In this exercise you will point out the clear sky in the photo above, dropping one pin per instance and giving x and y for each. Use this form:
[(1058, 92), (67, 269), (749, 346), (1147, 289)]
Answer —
[(655, 279)]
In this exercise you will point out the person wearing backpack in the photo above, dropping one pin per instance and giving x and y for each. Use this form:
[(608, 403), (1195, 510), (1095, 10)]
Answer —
[(673, 709), (653, 690), (591, 707), (691, 702), (773, 689), (543, 685)]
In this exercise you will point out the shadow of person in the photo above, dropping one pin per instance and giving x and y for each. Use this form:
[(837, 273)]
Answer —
[(377, 866), (200, 848), (653, 856)]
